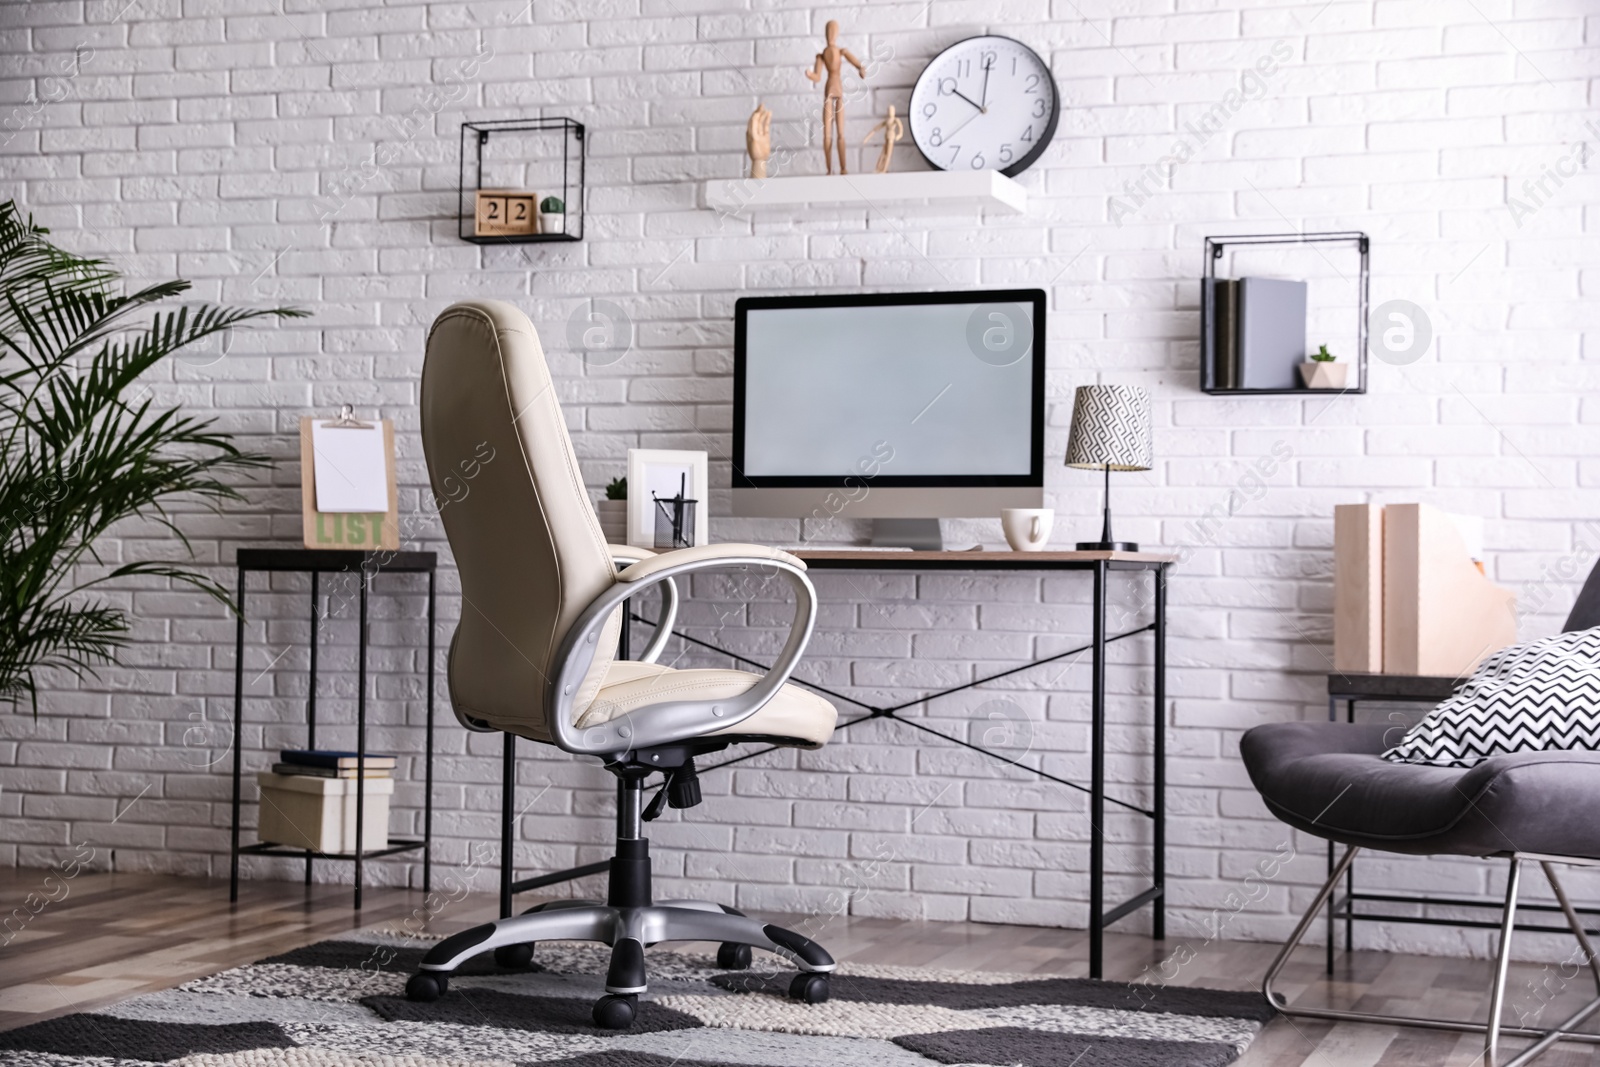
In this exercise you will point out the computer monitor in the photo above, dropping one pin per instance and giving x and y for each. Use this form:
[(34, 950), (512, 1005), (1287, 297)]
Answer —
[(889, 405)]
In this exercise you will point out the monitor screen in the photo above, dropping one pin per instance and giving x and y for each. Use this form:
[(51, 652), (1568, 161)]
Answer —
[(919, 389)]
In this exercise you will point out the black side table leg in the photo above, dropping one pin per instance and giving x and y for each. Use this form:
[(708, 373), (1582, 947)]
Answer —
[(1097, 778), (361, 734), (1158, 906), (1350, 871), (1333, 898), (238, 726), (311, 686)]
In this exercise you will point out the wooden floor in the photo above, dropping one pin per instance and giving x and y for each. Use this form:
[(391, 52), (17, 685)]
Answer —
[(111, 936)]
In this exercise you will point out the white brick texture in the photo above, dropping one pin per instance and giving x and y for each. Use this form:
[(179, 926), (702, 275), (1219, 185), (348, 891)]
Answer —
[(305, 152)]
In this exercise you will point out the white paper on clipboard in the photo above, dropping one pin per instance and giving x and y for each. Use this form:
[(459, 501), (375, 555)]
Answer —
[(350, 468)]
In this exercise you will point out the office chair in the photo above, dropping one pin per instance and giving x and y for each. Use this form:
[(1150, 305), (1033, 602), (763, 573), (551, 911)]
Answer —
[(534, 655)]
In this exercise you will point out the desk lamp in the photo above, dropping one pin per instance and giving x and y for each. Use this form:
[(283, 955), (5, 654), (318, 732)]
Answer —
[(1110, 431)]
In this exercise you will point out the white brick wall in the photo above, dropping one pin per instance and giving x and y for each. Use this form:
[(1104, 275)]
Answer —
[(231, 142)]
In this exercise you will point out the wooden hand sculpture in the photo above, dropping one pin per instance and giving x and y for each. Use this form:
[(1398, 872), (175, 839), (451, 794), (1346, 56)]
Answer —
[(828, 63), (893, 129), (758, 140)]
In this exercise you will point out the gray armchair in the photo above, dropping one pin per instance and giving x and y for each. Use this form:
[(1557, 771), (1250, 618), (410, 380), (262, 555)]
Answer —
[(534, 655), (1329, 779)]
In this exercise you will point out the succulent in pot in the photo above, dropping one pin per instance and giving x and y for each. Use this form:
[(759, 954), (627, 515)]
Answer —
[(1322, 372)]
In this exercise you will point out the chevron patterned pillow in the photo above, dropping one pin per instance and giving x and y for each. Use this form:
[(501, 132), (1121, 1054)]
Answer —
[(1537, 697)]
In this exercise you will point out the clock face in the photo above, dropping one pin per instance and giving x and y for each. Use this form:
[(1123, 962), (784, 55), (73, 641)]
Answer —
[(986, 103)]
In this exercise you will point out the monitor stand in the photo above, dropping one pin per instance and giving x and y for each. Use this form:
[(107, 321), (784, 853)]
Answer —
[(920, 534)]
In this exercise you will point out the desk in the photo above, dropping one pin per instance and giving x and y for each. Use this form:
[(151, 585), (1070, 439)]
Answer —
[(1100, 565)]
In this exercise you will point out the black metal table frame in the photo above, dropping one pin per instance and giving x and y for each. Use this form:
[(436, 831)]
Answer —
[(1099, 916), (1407, 689), (366, 565)]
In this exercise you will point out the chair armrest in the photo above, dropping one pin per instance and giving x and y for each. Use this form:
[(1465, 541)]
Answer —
[(680, 556), (623, 556), (674, 720)]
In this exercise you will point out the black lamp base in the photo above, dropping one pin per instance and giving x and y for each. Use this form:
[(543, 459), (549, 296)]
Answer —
[(1108, 546)]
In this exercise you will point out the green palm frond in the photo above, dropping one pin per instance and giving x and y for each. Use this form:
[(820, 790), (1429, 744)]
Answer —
[(83, 451)]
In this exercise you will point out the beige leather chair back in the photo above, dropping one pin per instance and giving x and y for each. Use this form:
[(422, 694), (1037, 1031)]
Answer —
[(520, 522)]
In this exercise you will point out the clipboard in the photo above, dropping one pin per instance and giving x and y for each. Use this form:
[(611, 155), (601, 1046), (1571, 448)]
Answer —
[(359, 531)]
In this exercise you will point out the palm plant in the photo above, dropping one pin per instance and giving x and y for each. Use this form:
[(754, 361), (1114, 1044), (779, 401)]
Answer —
[(78, 453)]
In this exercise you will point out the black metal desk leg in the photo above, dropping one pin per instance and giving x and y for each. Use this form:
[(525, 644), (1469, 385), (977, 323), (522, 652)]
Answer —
[(238, 728), (427, 772), (508, 787), (1158, 912), (311, 686), (1097, 778), (625, 634), (361, 734)]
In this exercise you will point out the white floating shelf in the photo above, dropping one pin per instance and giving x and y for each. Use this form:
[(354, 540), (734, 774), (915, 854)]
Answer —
[(902, 192)]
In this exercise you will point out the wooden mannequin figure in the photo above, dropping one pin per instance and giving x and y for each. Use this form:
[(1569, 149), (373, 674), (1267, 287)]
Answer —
[(758, 140), (828, 62), (893, 129)]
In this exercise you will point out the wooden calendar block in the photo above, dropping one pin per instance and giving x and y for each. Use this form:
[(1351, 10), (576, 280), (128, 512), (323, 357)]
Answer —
[(506, 213)]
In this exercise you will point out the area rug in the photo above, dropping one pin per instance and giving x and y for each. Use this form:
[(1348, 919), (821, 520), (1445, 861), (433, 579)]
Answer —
[(342, 1004)]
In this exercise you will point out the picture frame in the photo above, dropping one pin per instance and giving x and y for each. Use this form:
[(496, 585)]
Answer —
[(658, 470)]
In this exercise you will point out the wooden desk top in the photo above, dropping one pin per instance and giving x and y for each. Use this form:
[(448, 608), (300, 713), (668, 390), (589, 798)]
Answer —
[(824, 558)]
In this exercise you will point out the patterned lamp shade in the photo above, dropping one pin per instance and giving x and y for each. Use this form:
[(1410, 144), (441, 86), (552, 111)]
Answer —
[(1110, 428)]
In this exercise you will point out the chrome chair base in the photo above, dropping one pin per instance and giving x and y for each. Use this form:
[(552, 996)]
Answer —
[(1493, 1028), (629, 931)]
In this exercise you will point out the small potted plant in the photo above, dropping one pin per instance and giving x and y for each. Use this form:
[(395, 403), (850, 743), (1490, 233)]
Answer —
[(613, 512), (552, 215), (1321, 372)]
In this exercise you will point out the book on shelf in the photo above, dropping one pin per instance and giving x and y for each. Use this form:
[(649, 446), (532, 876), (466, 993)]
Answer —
[(1227, 333), (320, 757), (328, 772), (1219, 348), (1272, 333)]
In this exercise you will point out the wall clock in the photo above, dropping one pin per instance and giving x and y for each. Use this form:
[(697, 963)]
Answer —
[(985, 103)]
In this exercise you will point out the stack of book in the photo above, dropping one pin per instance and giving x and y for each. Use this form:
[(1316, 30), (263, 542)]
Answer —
[(326, 763), (310, 799), (1257, 336)]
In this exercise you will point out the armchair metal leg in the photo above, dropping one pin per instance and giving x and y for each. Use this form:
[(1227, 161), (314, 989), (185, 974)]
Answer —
[(1493, 1028), (1574, 922), (1502, 964)]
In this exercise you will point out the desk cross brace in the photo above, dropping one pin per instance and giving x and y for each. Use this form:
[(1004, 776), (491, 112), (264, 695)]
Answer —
[(893, 710)]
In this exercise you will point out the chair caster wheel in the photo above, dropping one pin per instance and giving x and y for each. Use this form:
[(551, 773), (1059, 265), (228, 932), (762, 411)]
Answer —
[(514, 957), (733, 957), (811, 988), (425, 987), (615, 1011)]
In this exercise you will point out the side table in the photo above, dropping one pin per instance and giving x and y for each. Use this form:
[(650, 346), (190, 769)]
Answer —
[(366, 565)]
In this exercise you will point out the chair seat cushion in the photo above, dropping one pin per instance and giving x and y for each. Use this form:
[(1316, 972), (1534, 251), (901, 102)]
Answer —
[(794, 716), (1538, 696), (1331, 780)]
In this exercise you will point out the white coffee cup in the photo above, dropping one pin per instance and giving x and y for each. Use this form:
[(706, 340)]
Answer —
[(1028, 529)]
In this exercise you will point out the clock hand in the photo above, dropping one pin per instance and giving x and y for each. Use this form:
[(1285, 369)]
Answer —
[(961, 127), (985, 105), (968, 99)]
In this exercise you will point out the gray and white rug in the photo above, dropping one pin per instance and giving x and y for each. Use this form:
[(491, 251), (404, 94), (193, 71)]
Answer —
[(342, 1004)]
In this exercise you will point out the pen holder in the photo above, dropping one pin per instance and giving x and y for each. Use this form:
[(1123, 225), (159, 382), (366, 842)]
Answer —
[(674, 521)]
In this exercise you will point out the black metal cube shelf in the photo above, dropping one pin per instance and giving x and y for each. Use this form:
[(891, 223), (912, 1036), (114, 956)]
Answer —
[(1215, 246), (475, 137)]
